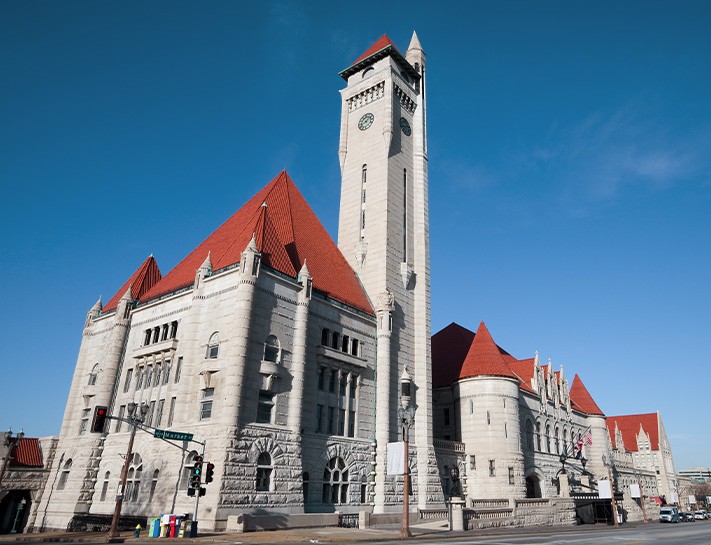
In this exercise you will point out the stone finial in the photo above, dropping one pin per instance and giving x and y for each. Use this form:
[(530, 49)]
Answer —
[(207, 264), (385, 301), (252, 246), (361, 251), (405, 273), (97, 306), (304, 272), (127, 296)]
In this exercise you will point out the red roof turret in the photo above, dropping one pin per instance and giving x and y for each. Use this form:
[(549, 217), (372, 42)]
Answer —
[(485, 358), (581, 397)]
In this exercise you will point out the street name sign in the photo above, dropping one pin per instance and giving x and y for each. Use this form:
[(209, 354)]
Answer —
[(176, 435)]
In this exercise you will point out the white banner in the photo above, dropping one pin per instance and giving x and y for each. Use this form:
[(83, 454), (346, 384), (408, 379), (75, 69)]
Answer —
[(396, 458), (634, 491), (673, 497), (692, 500), (604, 491)]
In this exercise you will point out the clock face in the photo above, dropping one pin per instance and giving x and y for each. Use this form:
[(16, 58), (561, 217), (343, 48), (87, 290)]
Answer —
[(366, 121), (405, 126)]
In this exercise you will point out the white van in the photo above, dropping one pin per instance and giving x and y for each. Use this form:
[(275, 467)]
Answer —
[(668, 514)]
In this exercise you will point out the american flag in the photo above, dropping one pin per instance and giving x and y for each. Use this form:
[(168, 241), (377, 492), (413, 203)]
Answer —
[(588, 438)]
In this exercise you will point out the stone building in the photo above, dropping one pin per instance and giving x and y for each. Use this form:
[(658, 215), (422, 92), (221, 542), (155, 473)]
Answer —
[(281, 352)]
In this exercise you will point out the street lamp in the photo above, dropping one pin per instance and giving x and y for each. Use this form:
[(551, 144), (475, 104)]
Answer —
[(638, 474), (406, 417), (135, 418), (11, 447), (609, 463)]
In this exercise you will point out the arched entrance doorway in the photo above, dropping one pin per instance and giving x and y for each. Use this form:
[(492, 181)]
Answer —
[(14, 511), (533, 487)]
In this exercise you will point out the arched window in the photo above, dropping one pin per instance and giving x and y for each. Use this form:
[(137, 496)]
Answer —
[(364, 489), (324, 336), (335, 482), (557, 440), (368, 72), (154, 483), (105, 486), (156, 334), (93, 374), (133, 479), (173, 330), (264, 472), (564, 440), (538, 436), (529, 435), (272, 349), (213, 346), (548, 438), (164, 334), (65, 475)]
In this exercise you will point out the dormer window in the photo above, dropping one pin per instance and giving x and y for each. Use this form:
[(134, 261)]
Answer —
[(368, 72), (93, 375)]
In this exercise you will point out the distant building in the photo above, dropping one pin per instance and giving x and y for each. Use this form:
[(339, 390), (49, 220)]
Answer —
[(697, 474)]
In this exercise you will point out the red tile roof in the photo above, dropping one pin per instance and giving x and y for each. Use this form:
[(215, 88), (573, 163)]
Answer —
[(382, 43), (523, 369), (484, 357), (27, 453), (287, 233), (581, 398), (630, 426), (145, 277)]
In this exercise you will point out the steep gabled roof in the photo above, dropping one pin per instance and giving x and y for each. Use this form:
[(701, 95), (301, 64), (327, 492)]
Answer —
[(27, 453), (449, 348), (380, 49), (484, 357), (630, 425), (582, 399), (287, 233), (145, 277)]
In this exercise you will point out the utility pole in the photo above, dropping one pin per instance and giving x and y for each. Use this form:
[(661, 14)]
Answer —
[(612, 487)]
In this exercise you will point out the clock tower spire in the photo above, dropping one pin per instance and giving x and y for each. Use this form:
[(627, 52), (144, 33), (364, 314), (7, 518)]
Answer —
[(384, 234)]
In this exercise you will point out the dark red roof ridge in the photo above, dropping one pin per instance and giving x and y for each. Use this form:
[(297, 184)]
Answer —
[(380, 44), (140, 282)]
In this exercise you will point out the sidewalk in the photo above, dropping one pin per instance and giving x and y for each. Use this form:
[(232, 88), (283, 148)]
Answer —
[(424, 530)]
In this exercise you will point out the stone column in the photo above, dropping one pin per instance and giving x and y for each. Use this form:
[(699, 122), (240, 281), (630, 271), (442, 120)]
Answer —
[(298, 362), (385, 306)]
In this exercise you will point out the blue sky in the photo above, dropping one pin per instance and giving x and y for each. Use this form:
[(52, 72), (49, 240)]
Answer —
[(569, 170)]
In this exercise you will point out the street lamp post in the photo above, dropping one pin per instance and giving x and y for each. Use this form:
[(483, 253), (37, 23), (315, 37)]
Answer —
[(638, 474), (11, 447), (135, 418), (609, 465), (406, 417)]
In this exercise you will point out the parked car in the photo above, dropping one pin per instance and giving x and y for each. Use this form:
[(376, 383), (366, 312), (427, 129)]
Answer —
[(668, 514), (687, 517), (700, 515)]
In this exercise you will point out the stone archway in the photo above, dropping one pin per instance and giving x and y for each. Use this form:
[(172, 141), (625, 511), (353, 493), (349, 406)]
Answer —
[(533, 487)]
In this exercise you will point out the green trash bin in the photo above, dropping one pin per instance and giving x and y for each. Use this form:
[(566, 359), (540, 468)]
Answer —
[(154, 527)]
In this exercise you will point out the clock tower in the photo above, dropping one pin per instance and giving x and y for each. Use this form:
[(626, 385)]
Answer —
[(384, 234)]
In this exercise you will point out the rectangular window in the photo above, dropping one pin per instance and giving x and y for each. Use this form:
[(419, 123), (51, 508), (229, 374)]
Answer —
[(151, 411), (488, 418), (159, 414), (164, 334), (332, 381), (319, 418), (472, 462), (139, 381), (492, 469), (166, 374), (344, 384), (147, 340), (122, 410), (354, 347), (321, 376), (351, 423), (173, 330), (84, 421), (330, 422), (205, 410), (264, 407), (171, 413), (511, 476), (354, 386), (341, 421), (129, 377), (156, 381), (149, 376), (212, 351), (178, 369), (446, 417)]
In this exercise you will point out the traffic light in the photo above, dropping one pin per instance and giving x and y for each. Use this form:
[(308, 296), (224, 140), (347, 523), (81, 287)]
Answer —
[(196, 476), (191, 491), (202, 491), (97, 424), (209, 472)]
